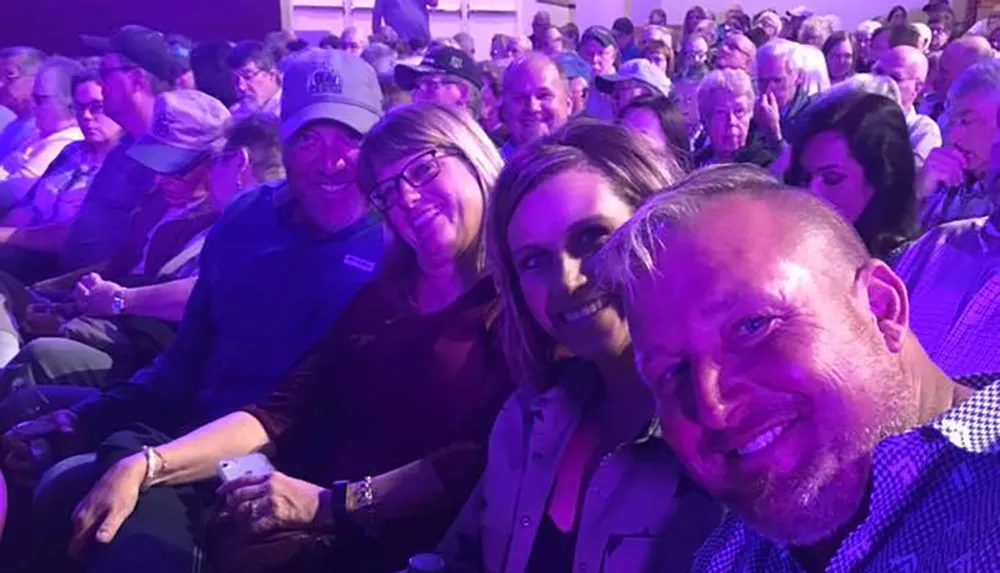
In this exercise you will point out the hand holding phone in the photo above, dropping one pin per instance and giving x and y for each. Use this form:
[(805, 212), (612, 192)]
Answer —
[(254, 465)]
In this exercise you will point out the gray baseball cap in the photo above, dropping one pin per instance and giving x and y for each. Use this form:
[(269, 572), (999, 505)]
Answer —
[(187, 124), (328, 84), (639, 70)]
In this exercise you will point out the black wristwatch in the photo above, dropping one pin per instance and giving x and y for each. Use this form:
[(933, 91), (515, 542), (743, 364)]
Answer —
[(338, 500)]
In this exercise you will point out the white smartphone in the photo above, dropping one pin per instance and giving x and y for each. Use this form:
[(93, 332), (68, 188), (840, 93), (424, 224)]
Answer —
[(254, 464)]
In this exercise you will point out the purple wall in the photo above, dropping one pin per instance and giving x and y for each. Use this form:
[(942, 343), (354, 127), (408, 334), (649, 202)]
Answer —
[(55, 25)]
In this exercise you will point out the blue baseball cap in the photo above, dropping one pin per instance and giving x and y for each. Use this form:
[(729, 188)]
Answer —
[(640, 70), (571, 64), (325, 84), (187, 125)]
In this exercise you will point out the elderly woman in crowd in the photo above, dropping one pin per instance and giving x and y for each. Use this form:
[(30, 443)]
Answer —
[(661, 55), (420, 335), (57, 128), (575, 480), (726, 105), (815, 31), (853, 150), (841, 55), (657, 119), (769, 22), (812, 63), (863, 41), (59, 194)]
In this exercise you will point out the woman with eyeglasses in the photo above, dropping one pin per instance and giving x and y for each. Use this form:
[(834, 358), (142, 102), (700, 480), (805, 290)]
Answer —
[(378, 434), (577, 478), (57, 197), (56, 128)]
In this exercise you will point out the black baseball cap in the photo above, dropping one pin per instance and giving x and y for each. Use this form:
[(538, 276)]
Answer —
[(441, 60), (147, 48), (600, 34)]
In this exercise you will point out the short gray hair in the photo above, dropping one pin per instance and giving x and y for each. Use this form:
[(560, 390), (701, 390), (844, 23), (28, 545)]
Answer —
[(733, 81), (983, 77), (780, 49), (28, 59), (868, 27), (57, 74), (861, 83), (629, 255)]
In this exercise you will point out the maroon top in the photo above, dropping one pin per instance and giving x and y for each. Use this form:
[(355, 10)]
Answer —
[(387, 387)]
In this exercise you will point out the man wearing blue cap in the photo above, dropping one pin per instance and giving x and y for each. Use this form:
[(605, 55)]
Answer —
[(275, 272)]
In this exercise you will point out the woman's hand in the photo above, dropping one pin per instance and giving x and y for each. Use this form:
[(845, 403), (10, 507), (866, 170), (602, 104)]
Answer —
[(101, 514), (276, 501)]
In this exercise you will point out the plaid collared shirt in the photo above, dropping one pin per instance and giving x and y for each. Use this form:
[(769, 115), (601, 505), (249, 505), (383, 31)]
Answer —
[(953, 276), (935, 504), (965, 201)]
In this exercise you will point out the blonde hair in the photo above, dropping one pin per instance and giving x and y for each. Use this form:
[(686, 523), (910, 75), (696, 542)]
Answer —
[(418, 127), (731, 81), (634, 171)]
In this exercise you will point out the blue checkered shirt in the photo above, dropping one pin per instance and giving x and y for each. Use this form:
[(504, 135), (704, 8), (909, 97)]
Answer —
[(935, 504)]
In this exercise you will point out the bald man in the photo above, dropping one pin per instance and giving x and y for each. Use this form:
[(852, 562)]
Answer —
[(736, 52), (789, 384), (535, 101), (908, 66), (957, 57)]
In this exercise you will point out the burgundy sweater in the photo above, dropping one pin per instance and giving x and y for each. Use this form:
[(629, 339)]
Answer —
[(387, 387)]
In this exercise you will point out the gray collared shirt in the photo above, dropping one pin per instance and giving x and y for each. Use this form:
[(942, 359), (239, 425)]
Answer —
[(640, 513), (935, 505)]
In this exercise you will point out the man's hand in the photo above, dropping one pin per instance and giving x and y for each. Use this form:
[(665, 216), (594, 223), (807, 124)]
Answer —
[(95, 296), (276, 501), (111, 501), (31, 447), (768, 115), (943, 166)]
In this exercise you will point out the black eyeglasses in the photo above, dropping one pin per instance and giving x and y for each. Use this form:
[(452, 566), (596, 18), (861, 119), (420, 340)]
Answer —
[(419, 171), (95, 108)]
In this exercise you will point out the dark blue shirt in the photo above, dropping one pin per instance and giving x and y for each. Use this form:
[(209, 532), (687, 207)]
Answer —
[(104, 218), (935, 505), (409, 18), (268, 290)]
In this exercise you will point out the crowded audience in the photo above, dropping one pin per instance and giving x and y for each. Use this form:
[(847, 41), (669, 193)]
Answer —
[(709, 292)]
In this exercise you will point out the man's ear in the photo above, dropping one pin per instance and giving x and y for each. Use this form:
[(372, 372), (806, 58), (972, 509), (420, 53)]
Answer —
[(887, 299)]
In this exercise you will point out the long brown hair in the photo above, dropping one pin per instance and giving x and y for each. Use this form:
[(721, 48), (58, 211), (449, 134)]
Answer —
[(635, 172)]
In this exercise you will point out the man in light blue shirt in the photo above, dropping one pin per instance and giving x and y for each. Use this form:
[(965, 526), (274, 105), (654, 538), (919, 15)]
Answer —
[(18, 67)]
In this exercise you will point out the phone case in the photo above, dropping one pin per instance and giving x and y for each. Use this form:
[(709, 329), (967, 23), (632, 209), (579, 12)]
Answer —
[(254, 464)]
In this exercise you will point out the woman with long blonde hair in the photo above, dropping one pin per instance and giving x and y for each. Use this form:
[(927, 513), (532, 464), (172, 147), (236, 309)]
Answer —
[(577, 478)]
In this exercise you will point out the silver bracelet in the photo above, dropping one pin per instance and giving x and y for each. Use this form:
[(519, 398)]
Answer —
[(366, 502), (154, 466)]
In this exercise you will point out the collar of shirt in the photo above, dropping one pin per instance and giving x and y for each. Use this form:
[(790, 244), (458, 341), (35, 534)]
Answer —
[(902, 466)]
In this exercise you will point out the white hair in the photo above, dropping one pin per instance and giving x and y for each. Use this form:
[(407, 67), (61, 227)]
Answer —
[(983, 77), (861, 83), (811, 62), (868, 27), (732, 81), (925, 32), (780, 49)]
